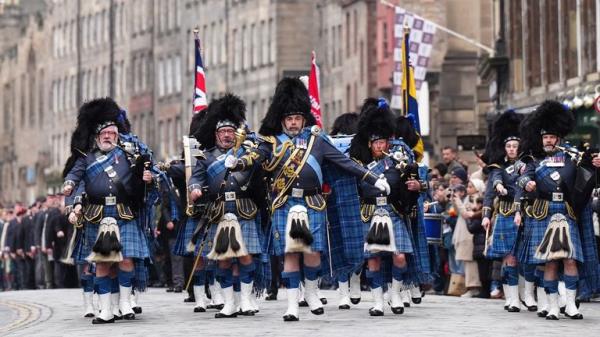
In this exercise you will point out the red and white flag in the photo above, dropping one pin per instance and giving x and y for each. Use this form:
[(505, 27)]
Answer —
[(313, 90), (200, 101)]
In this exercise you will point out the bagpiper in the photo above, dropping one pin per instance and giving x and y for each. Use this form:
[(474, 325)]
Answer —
[(108, 172), (232, 214), (293, 150)]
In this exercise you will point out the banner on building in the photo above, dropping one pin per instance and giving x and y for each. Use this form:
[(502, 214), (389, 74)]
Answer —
[(421, 43)]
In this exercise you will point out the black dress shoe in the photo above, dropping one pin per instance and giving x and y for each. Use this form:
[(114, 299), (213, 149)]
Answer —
[(199, 309), (319, 311), (562, 310), (576, 316), (542, 313), (323, 300), (513, 309), (215, 306), (532, 308), (246, 313), (374, 312), (552, 318), (416, 300), (344, 307), (137, 310), (221, 315), (129, 317), (290, 318), (506, 307), (99, 320), (398, 310), (117, 318), (189, 300), (178, 289), (355, 300), (88, 315), (170, 289), (407, 304), (303, 303), (271, 297)]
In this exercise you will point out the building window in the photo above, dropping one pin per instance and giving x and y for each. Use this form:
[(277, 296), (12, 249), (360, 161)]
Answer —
[(178, 72), (161, 77), (534, 71), (551, 59), (348, 35), (569, 18), (272, 41), (236, 54), (588, 24), (516, 44), (253, 46)]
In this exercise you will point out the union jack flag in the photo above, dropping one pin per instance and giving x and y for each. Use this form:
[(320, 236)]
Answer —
[(200, 102)]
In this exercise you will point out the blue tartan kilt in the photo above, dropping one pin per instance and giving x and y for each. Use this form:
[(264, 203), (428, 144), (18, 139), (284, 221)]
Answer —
[(184, 236), (133, 240), (533, 234), (250, 233), (401, 235), (504, 237), (317, 221)]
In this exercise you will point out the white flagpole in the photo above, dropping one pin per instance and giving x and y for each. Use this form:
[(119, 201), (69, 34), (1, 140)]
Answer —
[(451, 32)]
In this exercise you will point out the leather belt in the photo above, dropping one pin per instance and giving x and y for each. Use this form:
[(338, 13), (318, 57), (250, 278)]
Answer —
[(378, 201), (303, 192), (230, 196), (553, 196), (106, 201)]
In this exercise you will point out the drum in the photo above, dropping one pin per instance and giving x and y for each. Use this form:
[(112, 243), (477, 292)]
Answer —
[(433, 228)]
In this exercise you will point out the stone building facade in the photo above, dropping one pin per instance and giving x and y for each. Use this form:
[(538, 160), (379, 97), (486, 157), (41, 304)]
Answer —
[(64, 52)]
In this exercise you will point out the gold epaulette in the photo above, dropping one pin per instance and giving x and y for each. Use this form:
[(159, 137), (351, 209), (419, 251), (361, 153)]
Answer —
[(268, 139), (494, 166)]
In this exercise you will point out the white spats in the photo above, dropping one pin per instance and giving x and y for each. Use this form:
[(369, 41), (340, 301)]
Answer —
[(344, 291), (88, 304), (200, 296), (312, 297)]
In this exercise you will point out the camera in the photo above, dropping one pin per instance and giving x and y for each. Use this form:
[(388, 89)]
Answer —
[(449, 193)]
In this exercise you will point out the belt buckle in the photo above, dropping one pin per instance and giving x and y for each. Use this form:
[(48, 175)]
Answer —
[(110, 201), (557, 196), (297, 192), (381, 201), (229, 196)]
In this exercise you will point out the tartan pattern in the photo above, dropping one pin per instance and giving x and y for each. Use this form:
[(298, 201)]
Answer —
[(97, 167), (316, 222), (404, 243), (589, 270), (533, 234), (504, 237), (218, 166), (140, 278), (133, 239), (184, 235), (544, 170), (419, 265), (250, 233), (345, 229)]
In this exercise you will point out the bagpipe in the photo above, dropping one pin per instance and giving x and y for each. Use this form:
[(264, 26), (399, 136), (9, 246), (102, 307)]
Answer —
[(586, 179)]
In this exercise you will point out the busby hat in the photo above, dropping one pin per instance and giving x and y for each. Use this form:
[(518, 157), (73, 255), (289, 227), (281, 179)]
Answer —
[(405, 129), (550, 117), (376, 121), (504, 129), (345, 124), (94, 116), (290, 98), (228, 110)]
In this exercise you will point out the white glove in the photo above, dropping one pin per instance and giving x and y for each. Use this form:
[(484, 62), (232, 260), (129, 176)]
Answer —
[(230, 161), (501, 190), (383, 185)]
